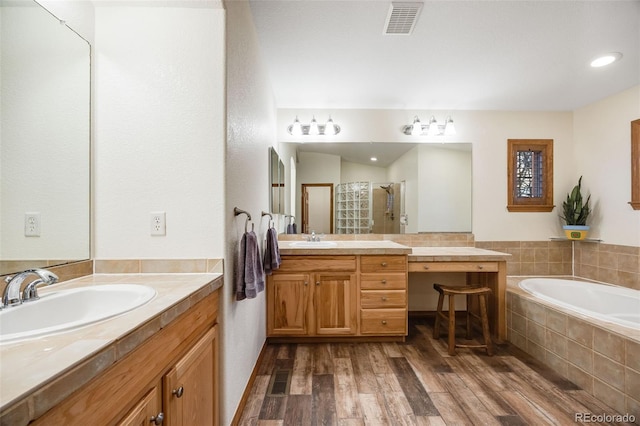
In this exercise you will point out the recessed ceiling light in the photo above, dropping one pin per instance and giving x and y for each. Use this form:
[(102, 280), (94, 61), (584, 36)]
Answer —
[(374, 159), (607, 59)]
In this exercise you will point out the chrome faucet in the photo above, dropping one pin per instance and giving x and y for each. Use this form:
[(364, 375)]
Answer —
[(313, 237), (11, 295)]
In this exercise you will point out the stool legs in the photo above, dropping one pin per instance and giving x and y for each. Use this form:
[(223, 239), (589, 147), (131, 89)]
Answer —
[(452, 325), (485, 324), (436, 327), (470, 292)]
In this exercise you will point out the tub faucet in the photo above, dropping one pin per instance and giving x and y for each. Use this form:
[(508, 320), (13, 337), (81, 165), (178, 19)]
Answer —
[(12, 290)]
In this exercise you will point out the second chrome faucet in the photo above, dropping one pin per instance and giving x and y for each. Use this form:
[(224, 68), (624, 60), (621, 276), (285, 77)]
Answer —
[(12, 296)]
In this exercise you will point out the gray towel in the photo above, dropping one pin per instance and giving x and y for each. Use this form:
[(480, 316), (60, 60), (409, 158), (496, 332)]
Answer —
[(272, 258), (253, 271), (239, 270)]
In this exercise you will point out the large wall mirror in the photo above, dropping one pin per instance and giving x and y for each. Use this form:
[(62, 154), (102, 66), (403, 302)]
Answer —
[(411, 187), (45, 140), (276, 173)]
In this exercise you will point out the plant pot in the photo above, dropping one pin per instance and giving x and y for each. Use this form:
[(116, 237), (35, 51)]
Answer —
[(576, 232)]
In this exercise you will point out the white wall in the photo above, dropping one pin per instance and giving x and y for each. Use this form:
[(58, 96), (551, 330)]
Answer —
[(354, 172), (251, 118), (602, 155), (159, 130), (445, 185)]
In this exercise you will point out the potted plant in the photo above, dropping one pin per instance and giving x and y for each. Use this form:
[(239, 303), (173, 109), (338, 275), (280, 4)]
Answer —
[(575, 214)]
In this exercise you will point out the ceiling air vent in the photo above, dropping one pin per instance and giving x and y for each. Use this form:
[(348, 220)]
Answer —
[(402, 18)]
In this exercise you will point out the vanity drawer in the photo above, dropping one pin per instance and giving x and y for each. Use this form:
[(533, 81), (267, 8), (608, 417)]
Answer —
[(383, 263), (453, 267), (383, 321), (392, 281), (317, 263), (383, 299)]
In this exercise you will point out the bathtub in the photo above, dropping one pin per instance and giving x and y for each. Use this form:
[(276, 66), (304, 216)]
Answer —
[(618, 305)]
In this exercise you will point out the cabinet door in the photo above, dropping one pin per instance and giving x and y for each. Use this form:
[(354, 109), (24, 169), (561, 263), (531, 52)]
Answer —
[(335, 303), (189, 388), (288, 298), (147, 412)]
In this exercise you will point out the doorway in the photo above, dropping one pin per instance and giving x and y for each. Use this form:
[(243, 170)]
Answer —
[(317, 208)]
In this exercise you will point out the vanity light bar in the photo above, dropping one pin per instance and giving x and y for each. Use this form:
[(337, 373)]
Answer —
[(313, 128), (430, 129)]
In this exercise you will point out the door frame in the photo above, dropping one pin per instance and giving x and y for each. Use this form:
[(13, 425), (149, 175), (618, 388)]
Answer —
[(303, 205)]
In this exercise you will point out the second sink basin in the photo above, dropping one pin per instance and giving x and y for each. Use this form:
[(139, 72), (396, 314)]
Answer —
[(68, 309), (314, 244)]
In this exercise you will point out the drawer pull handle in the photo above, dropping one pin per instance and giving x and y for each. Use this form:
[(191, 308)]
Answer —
[(384, 281), (384, 322), (157, 420), (384, 264), (384, 298), (178, 392)]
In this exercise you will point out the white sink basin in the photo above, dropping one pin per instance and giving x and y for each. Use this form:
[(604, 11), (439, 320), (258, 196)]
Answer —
[(314, 244), (65, 310)]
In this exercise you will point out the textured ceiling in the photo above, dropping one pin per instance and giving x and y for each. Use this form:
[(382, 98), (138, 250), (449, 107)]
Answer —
[(486, 55)]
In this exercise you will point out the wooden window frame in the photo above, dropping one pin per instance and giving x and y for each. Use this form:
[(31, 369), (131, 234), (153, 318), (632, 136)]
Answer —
[(530, 204), (635, 164)]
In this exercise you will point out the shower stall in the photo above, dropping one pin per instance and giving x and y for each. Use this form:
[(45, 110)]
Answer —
[(369, 207)]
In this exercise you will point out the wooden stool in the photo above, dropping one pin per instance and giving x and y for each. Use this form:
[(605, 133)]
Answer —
[(482, 293)]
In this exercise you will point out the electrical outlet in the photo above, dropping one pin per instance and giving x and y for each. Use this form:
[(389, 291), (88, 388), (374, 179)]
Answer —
[(158, 223), (32, 224)]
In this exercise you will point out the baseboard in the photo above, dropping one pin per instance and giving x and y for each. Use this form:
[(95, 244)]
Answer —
[(247, 390)]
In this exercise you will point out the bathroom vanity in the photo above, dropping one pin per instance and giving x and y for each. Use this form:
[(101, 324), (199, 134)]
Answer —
[(358, 289), (155, 364), (355, 289)]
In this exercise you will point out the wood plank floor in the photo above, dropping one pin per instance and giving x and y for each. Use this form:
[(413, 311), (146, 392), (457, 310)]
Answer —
[(410, 383)]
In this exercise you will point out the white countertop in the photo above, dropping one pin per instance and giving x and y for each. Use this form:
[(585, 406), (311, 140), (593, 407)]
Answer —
[(28, 365), (455, 254), (345, 247)]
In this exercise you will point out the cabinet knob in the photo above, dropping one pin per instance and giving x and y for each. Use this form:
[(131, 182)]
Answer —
[(306, 283), (384, 322), (426, 266), (178, 392), (157, 419), (384, 281), (317, 282), (384, 264), (480, 266), (384, 298)]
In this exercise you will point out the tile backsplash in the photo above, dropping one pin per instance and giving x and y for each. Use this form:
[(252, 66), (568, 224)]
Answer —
[(534, 257)]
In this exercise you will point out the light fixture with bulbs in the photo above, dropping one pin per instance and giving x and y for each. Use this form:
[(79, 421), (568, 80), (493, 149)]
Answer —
[(433, 128), (313, 128)]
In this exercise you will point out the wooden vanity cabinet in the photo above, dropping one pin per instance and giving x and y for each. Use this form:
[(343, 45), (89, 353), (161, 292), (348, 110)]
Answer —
[(338, 296), (313, 296), (170, 379), (383, 295), (146, 412)]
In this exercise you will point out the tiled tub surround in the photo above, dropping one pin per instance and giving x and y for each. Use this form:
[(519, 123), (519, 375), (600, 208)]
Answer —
[(608, 263), (601, 358), (84, 353)]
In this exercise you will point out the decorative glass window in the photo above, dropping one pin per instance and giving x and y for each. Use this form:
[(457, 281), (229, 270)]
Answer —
[(530, 175)]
